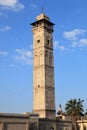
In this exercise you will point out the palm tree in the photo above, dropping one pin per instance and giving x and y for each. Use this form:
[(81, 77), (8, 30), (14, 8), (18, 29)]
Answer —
[(74, 109)]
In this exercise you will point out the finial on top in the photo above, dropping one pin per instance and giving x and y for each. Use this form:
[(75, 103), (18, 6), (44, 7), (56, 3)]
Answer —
[(42, 15), (42, 9)]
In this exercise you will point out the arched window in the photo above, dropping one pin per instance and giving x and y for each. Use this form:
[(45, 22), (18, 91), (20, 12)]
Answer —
[(46, 57), (36, 59), (51, 41), (41, 57), (48, 41), (51, 59)]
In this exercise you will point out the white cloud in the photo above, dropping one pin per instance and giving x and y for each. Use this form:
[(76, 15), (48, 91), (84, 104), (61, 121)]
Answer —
[(23, 55), (5, 28), (8, 2), (57, 46), (3, 53), (73, 35), (80, 43), (11, 4)]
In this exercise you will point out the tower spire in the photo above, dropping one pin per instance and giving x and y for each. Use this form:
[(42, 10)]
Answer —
[(42, 9)]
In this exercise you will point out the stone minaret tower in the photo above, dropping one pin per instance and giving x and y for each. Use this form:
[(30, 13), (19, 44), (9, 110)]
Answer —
[(43, 71)]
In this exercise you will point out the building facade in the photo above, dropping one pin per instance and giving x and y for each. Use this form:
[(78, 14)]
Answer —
[(82, 123), (27, 121)]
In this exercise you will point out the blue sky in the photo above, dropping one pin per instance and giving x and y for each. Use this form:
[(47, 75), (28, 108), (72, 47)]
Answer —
[(16, 40)]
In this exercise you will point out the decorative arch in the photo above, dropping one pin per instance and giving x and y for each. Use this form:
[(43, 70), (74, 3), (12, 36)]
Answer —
[(41, 57), (48, 41), (46, 57), (51, 41), (36, 60), (51, 58)]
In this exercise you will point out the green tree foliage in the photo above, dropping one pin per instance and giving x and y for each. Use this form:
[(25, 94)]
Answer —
[(86, 112), (74, 108)]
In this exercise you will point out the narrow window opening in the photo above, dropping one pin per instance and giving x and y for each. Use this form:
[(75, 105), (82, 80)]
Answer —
[(48, 42), (38, 41), (38, 86)]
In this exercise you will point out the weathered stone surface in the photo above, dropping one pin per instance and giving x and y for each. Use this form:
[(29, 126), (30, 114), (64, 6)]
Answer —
[(43, 82), (18, 121)]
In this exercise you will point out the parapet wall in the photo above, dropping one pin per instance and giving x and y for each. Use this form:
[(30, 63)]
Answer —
[(28, 121)]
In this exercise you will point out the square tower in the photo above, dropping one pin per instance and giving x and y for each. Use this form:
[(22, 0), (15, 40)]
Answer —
[(43, 69)]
